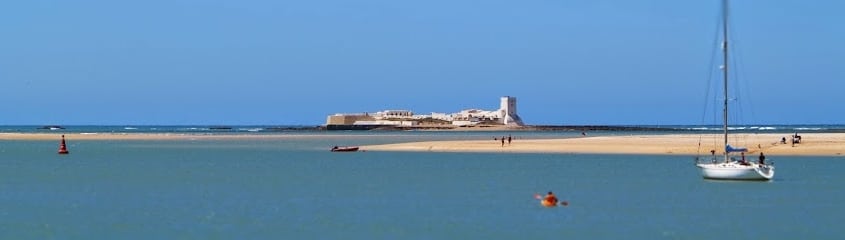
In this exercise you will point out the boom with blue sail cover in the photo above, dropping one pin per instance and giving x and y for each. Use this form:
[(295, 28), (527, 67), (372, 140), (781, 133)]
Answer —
[(729, 148)]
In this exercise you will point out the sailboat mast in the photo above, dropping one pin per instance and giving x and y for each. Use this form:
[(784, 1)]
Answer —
[(725, 73)]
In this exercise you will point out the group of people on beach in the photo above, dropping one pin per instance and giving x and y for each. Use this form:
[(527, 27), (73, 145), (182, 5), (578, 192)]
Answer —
[(508, 138), (795, 139)]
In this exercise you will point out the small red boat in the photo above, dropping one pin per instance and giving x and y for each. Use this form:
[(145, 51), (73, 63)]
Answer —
[(344, 149)]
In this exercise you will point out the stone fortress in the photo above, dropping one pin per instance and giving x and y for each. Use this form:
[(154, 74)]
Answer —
[(506, 115)]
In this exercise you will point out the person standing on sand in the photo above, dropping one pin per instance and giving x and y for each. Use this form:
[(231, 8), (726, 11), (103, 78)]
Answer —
[(503, 141), (509, 139)]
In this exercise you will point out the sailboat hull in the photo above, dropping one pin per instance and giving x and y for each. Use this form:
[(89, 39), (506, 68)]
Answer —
[(736, 171)]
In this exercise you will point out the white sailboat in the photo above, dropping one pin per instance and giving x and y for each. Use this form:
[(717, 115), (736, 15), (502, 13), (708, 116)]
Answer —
[(729, 168)]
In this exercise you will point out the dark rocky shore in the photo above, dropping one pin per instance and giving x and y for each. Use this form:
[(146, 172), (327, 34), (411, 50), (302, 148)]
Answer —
[(595, 128), (489, 128)]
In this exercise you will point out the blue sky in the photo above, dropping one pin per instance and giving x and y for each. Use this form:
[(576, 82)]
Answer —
[(295, 62)]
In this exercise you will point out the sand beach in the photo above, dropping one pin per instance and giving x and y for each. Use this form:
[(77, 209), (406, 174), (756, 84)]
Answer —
[(155, 136), (812, 144), (815, 144)]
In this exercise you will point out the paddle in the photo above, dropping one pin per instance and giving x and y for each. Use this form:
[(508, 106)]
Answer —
[(540, 197)]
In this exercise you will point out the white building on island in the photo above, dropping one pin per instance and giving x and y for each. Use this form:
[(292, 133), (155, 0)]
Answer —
[(507, 109), (505, 115)]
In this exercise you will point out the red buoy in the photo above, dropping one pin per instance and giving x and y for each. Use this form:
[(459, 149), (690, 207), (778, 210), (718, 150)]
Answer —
[(63, 146)]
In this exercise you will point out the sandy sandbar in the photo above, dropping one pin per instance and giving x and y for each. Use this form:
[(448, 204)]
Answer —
[(812, 144), (156, 136), (815, 144)]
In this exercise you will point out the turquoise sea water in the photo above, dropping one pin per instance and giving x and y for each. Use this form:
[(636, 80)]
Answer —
[(296, 189)]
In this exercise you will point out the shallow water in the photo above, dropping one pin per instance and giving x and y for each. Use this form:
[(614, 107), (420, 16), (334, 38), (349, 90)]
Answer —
[(296, 188)]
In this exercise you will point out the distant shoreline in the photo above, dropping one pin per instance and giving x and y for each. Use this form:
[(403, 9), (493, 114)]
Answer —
[(70, 136), (246, 129), (496, 128), (220, 130), (131, 129)]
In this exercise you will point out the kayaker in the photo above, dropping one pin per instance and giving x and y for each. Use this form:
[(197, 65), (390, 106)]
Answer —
[(550, 198)]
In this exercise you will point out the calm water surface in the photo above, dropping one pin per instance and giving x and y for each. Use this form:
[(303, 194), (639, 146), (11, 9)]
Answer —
[(296, 189)]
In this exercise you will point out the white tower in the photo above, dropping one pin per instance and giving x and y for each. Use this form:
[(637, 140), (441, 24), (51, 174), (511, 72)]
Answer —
[(507, 111)]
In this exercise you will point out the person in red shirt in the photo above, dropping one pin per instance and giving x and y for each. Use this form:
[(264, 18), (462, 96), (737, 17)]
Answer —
[(551, 199)]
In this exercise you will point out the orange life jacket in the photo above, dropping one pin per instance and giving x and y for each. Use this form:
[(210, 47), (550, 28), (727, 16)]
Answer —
[(551, 198)]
